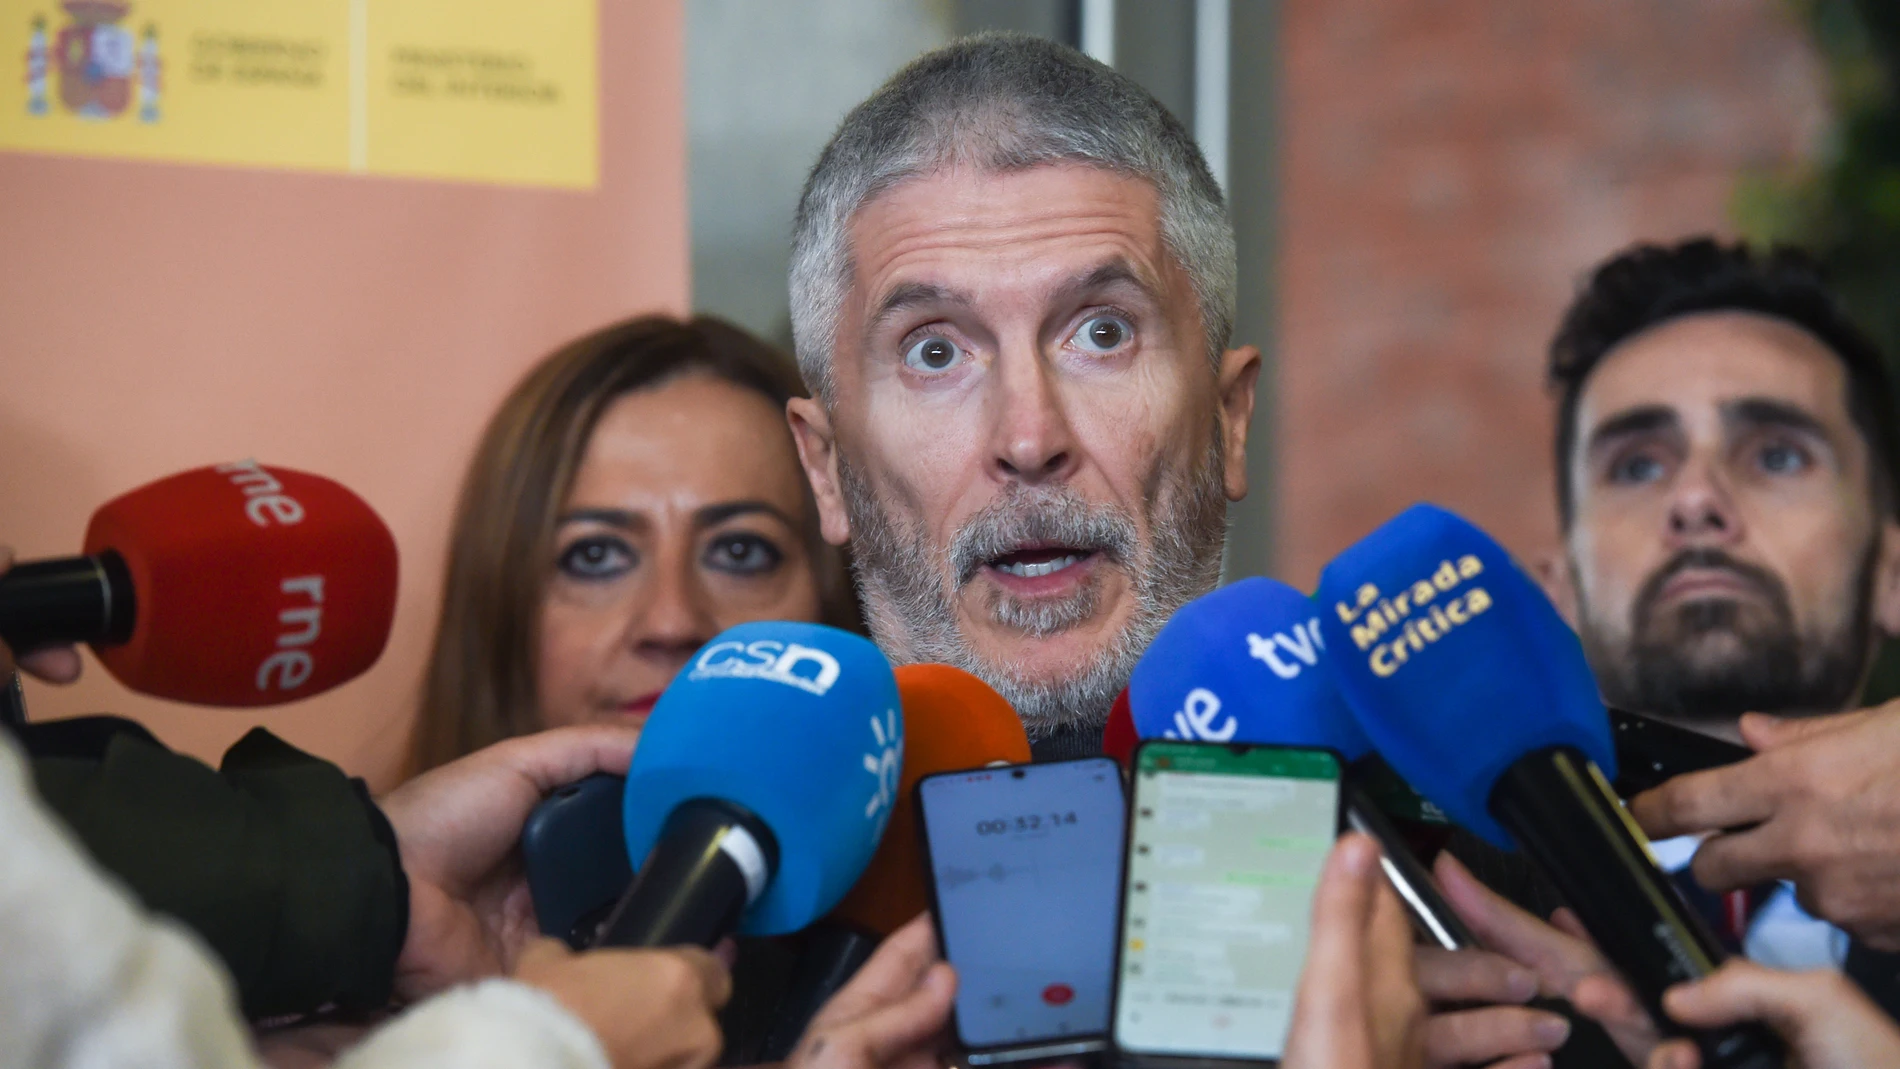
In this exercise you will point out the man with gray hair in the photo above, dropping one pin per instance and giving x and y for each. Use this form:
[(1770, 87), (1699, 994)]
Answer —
[(1012, 286)]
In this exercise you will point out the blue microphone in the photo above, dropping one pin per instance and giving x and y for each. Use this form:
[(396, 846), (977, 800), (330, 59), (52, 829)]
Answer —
[(1243, 664), (1247, 663), (761, 786), (1474, 689)]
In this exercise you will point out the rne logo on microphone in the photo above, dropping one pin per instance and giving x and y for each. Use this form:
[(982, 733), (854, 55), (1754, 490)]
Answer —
[(1195, 719), (265, 499), (810, 670), (1305, 645), (292, 664)]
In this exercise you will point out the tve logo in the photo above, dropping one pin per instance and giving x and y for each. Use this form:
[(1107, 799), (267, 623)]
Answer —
[(884, 762), (1195, 719), (808, 669), (1304, 644)]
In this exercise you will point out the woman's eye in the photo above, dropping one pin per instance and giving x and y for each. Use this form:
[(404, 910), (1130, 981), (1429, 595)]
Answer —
[(1636, 468), (743, 554), (599, 557), (1102, 334), (935, 353), (1782, 458)]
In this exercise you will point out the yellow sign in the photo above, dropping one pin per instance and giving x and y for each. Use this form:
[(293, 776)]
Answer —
[(477, 90)]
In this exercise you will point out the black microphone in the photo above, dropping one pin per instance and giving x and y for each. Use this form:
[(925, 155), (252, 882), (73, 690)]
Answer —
[(1471, 686), (712, 860)]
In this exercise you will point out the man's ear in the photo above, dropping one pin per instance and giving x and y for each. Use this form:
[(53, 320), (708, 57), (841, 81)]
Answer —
[(1887, 580), (818, 455), (1239, 375), (1552, 570)]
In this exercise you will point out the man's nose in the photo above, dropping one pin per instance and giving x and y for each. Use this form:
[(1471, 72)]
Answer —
[(1031, 440), (673, 615), (1701, 509)]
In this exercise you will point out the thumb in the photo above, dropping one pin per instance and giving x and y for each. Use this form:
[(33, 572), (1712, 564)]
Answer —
[(1744, 991), (896, 1030)]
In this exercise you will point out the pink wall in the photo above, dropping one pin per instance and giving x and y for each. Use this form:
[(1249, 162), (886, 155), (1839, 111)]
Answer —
[(1451, 168), (157, 317)]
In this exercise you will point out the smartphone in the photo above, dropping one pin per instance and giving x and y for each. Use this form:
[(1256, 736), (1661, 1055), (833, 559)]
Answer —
[(575, 856), (1225, 847), (1022, 864), (1651, 752)]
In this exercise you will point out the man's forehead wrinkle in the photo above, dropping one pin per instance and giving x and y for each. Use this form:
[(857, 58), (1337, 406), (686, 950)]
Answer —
[(904, 296)]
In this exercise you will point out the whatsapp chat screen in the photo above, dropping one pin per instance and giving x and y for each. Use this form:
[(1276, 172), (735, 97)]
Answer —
[(1225, 852)]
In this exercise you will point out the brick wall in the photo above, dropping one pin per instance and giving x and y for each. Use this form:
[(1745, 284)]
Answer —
[(1451, 167)]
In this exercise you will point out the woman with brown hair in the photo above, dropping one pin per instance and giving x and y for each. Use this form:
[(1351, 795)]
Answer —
[(637, 493)]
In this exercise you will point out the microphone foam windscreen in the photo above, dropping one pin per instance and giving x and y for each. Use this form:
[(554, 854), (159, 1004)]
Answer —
[(254, 585), (1118, 734), (798, 723), (1455, 662), (952, 721), (1246, 663)]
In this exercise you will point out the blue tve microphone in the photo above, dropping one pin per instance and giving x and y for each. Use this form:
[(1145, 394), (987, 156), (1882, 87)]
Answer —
[(1474, 689), (1243, 664), (761, 786), (1247, 663)]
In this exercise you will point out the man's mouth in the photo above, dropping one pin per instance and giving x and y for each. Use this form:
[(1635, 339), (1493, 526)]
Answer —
[(1692, 583), (1040, 562)]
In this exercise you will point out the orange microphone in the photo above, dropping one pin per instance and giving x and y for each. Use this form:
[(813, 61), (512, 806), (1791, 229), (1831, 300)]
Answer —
[(952, 721), (236, 585)]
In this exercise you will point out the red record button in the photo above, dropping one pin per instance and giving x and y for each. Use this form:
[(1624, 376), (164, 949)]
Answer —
[(1058, 994)]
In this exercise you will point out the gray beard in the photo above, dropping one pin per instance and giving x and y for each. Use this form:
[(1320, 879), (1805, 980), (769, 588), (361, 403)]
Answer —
[(908, 585), (1662, 664)]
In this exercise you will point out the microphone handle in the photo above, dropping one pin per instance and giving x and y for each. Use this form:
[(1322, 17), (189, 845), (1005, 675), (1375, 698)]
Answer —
[(1557, 805), (832, 956), (68, 599), (713, 859), (1589, 1045)]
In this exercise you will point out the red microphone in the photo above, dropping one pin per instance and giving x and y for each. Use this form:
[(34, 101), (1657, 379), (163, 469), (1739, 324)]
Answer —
[(1118, 735), (234, 585)]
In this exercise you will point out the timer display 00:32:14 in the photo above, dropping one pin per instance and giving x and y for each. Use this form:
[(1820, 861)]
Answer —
[(1026, 822)]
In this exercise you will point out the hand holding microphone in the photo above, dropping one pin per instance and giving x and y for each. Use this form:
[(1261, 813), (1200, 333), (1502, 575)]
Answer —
[(762, 784), (650, 1009), (894, 1014), (1828, 1021), (952, 721), (1473, 689), (1247, 664), (234, 585), (53, 664)]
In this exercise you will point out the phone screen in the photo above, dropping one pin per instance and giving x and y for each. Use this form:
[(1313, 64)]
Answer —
[(1226, 847), (1025, 863)]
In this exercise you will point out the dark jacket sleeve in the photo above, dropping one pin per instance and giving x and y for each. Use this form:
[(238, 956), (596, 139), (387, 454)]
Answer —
[(277, 860)]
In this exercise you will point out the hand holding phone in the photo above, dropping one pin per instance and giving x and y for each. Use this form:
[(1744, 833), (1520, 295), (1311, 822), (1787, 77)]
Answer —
[(1023, 863), (1226, 846)]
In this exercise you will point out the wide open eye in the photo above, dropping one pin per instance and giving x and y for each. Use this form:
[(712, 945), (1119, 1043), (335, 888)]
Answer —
[(1102, 334), (933, 354)]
